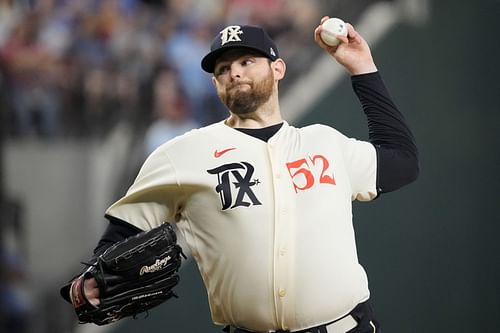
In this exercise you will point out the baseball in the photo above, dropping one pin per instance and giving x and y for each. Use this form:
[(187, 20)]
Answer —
[(332, 28)]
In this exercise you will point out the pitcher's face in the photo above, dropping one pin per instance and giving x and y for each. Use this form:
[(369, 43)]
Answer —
[(244, 80)]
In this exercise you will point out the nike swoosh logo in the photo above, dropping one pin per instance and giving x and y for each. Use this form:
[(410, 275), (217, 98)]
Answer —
[(218, 154)]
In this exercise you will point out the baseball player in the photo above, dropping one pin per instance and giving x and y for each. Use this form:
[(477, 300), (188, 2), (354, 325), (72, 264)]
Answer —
[(265, 207)]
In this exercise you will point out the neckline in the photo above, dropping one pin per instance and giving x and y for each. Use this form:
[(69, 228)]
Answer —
[(264, 133)]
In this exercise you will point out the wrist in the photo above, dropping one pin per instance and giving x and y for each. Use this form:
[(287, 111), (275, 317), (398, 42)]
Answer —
[(363, 69), (77, 293)]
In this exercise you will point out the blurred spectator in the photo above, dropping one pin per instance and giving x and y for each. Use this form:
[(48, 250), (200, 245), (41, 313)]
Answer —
[(32, 74), (184, 49), (262, 12), (10, 13), (171, 109), (102, 80), (135, 48), (15, 303)]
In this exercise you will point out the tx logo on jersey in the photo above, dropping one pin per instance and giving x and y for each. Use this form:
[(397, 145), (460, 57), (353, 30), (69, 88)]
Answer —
[(230, 34), (234, 185)]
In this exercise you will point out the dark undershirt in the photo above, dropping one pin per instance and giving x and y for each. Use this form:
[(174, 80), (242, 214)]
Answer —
[(263, 134), (397, 155)]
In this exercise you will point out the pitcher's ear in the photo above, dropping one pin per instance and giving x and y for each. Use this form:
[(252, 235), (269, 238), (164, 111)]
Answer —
[(279, 68)]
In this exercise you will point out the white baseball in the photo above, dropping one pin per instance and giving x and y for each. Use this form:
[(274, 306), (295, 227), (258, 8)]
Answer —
[(332, 28)]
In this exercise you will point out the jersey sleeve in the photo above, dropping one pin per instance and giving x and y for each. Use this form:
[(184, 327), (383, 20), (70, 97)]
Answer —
[(360, 159), (153, 197)]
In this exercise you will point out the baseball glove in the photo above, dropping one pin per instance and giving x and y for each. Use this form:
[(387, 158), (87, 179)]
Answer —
[(133, 276)]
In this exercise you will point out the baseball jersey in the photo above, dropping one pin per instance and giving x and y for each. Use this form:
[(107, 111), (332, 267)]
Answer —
[(268, 223)]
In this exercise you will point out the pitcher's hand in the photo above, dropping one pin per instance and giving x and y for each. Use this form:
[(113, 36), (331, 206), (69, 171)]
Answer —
[(352, 52)]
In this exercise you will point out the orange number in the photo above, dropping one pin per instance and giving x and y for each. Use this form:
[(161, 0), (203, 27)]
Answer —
[(301, 171), (325, 179), (301, 167)]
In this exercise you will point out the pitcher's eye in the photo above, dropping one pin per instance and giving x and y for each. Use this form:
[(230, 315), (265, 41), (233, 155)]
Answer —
[(247, 61)]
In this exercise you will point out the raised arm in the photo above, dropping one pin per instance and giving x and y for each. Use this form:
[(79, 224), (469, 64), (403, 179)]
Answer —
[(397, 153)]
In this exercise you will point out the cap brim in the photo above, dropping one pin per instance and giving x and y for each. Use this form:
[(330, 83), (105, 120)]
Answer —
[(208, 61)]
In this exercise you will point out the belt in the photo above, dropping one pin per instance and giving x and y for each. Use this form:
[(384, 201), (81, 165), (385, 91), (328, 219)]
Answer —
[(339, 326)]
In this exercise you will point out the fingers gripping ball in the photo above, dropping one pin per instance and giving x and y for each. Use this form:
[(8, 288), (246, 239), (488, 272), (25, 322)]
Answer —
[(133, 276), (332, 28)]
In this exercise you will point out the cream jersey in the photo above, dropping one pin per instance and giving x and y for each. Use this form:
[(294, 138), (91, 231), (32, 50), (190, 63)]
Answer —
[(268, 223)]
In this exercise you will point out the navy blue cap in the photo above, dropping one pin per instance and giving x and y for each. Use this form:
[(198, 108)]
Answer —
[(239, 36)]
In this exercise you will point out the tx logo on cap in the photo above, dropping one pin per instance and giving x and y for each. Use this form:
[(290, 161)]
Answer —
[(230, 34)]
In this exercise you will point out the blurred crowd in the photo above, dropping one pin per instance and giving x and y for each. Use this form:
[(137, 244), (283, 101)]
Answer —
[(77, 68)]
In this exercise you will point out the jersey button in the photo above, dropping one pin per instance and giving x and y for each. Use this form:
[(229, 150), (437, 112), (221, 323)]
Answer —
[(282, 252), (282, 292)]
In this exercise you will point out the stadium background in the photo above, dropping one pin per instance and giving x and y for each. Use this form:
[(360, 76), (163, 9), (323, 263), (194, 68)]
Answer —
[(431, 250)]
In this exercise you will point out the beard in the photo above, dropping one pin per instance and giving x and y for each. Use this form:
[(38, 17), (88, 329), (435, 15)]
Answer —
[(242, 100)]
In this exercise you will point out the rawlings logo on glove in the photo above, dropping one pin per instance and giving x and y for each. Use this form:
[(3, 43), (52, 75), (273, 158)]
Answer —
[(132, 276), (158, 265)]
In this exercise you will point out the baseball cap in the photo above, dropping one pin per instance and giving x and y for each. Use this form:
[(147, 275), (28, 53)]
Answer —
[(239, 36)]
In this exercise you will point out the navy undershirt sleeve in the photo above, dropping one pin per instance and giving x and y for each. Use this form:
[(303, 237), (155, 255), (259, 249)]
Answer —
[(397, 153), (116, 231)]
